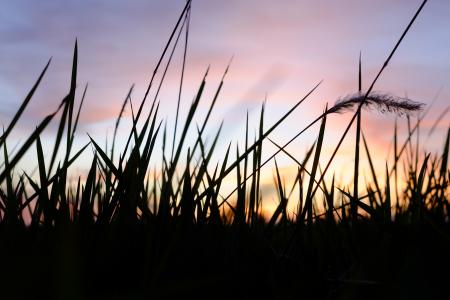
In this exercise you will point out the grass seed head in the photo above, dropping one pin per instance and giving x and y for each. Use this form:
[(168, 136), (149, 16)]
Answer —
[(382, 102)]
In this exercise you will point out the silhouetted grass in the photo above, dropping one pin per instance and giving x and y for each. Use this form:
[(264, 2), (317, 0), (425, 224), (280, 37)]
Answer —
[(132, 231)]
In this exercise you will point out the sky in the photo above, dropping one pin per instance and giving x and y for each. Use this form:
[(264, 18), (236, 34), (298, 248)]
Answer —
[(280, 49)]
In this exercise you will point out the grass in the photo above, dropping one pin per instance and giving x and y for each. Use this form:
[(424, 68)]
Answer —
[(146, 227)]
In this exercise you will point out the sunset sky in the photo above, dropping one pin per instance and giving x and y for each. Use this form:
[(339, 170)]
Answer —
[(281, 49)]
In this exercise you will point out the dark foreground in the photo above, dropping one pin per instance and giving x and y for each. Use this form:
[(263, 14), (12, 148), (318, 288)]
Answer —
[(326, 261)]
